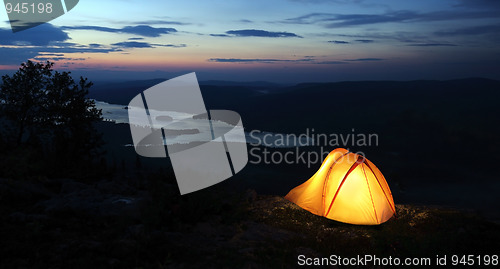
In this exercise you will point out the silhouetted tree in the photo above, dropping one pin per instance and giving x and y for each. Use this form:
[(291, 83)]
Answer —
[(22, 97), (47, 108)]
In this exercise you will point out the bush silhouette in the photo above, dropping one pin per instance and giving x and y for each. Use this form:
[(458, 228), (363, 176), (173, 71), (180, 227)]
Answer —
[(47, 112)]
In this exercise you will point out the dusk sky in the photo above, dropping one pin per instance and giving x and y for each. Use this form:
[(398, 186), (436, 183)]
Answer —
[(275, 40)]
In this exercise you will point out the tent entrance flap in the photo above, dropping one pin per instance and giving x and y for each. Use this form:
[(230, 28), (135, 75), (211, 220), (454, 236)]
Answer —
[(359, 161)]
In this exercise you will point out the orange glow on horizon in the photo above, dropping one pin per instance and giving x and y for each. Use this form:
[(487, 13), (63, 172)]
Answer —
[(151, 62), (8, 67)]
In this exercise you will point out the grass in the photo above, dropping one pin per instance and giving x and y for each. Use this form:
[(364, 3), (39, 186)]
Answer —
[(216, 228), (417, 231)]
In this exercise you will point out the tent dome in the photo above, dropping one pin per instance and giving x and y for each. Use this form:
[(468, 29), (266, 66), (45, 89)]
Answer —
[(347, 188)]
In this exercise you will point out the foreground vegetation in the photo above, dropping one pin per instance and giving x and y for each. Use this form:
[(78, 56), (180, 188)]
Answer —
[(142, 222)]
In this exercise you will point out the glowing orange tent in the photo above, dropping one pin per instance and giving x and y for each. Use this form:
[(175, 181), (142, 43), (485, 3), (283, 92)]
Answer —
[(347, 188)]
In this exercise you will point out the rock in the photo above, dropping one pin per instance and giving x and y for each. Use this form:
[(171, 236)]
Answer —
[(114, 187), (22, 191), (23, 217), (136, 231), (250, 195), (70, 186), (104, 198), (205, 228), (120, 206), (246, 250), (307, 252), (253, 265), (261, 232)]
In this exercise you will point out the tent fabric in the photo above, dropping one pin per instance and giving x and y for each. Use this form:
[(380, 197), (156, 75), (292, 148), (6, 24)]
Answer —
[(346, 188)]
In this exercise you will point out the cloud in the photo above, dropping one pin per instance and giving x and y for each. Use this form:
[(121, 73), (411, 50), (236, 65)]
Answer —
[(307, 59), (161, 22), (364, 60), (433, 45), (260, 33), (365, 40), (328, 1), (405, 37), (339, 20), (171, 45), (136, 44), (331, 20), (57, 59), (14, 56), (42, 35), (338, 42), (19, 54), (332, 62), (133, 44), (47, 42), (239, 60), (52, 54), (140, 30), (487, 4), (136, 38), (475, 30), (220, 35), (74, 48), (362, 3)]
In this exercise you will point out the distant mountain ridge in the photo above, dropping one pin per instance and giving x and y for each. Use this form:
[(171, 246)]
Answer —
[(123, 92), (247, 84)]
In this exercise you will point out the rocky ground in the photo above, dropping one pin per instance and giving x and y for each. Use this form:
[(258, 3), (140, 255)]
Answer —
[(141, 222)]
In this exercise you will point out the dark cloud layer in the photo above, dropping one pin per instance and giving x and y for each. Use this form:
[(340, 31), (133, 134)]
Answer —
[(328, 1), (338, 42), (330, 20), (239, 60), (364, 60), (303, 60), (404, 37), (365, 40), (137, 44), (47, 42), (483, 4), (15, 56), (161, 22), (475, 30), (42, 42), (42, 35), (133, 44), (432, 45), (332, 62), (259, 33), (219, 35), (140, 30)]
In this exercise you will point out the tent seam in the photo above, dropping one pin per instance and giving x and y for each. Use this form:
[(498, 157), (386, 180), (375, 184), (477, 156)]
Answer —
[(369, 190), (328, 179), (380, 185)]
